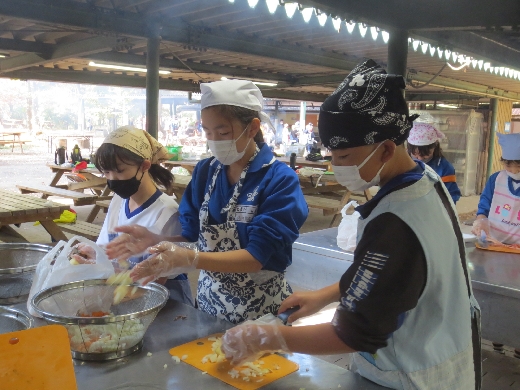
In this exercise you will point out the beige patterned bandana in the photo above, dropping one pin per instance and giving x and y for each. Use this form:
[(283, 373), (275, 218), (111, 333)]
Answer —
[(139, 142)]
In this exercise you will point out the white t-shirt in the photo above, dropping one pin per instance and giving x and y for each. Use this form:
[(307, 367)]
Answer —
[(159, 214)]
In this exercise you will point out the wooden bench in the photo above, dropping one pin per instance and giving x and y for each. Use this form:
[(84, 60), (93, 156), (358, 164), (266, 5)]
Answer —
[(46, 191), (100, 204), (81, 228), (7, 142)]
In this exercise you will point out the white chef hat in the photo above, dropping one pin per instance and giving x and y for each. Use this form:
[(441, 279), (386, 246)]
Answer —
[(240, 93), (423, 134)]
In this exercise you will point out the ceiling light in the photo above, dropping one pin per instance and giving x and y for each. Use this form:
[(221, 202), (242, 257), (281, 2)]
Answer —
[(290, 9), (474, 63), (374, 33), (252, 3), (440, 52), (307, 14), (501, 69), (454, 55), (385, 35), (336, 22), (265, 84), (497, 69), (4, 55), (424, 47), (362, 29), (480, 63), (432, 50), (123, 68), (350, 26), (415, 44), (272, 5), (486, 65), (447, 54)]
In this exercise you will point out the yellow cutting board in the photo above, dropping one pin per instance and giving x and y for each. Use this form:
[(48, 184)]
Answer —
[(36, 359), (197, 349), (497, 248)]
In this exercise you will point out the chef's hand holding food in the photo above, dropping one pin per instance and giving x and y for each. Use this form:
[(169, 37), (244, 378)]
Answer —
[(167, 259), (480, 225), (134, 240), (83, 253), (252, 339)]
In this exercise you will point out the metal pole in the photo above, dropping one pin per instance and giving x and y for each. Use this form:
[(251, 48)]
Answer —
[(303, 114), (397, 52), (152, 82), (493, 129)]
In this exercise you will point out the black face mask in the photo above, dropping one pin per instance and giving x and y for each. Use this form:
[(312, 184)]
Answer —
[(125, 188)]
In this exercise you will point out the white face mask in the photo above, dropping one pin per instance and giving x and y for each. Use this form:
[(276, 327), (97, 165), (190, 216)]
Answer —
[(349, 176), (514, 176), (225, 151)]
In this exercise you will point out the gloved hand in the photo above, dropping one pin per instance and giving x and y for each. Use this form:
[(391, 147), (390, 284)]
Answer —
[(135, 239), (250, 340), (83, 253), (167, 259), (480, 224)]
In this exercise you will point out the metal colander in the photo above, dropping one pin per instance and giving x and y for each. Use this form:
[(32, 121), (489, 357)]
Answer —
[(17, 264), (101, 338), (12, 320)]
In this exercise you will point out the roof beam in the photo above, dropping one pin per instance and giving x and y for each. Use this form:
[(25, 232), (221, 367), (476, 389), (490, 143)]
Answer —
[(80, 15), (424, 14), (228, 71), (101, 78), (25, 46), (60, 52)]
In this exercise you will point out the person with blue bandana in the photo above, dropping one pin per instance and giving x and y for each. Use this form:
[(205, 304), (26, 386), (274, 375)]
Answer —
[(406, 309), (242, 207), (498, 213)]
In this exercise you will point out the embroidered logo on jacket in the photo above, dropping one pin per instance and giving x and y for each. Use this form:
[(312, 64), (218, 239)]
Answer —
[(252, 195), (364, 280)]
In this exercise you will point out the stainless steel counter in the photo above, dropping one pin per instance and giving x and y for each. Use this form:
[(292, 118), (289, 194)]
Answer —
[(495, 277), (138, 371)]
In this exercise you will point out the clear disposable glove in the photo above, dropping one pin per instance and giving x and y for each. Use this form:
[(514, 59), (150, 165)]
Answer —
[(250, 340), (167, 259), (83, 253), (134, 240), (480, 225)]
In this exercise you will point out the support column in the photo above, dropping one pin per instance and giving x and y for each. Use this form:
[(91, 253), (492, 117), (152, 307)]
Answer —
[(152, 81), (492, 130), (303, 114), (397, 52)]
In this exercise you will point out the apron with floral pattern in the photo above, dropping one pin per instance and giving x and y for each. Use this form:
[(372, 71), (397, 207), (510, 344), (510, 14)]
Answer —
[(234, 297)]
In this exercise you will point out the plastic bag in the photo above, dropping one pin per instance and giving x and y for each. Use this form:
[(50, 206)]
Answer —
[(55, 269), (347, 229)]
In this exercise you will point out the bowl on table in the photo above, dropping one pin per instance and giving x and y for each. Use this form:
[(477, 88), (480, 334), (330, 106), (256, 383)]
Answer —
[(18, 262), (13, 320), (99, 329)]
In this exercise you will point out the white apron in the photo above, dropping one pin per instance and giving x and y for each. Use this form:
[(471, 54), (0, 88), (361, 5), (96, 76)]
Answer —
[(234, 297), (504, 214)]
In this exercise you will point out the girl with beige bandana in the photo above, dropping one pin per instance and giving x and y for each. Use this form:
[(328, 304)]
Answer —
[(130, 160)]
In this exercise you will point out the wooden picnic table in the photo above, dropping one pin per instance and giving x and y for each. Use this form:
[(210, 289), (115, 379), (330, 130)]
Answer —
[(15, 140), (19, 208), (189, 165), (58, 170), (325, 193), (302, 162)]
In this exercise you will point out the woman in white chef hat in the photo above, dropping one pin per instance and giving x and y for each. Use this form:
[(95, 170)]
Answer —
[(242, 207)]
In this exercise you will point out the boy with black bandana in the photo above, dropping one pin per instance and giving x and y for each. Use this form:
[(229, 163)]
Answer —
[(405, 305)]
